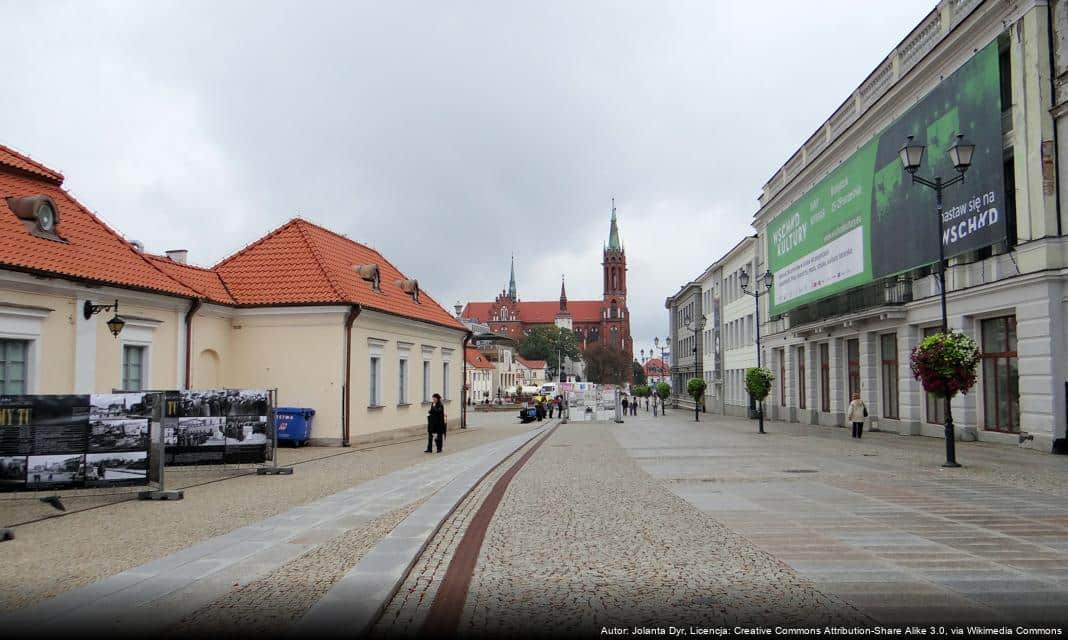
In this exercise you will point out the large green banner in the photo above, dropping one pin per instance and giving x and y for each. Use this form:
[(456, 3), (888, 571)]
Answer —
[(866, 220)]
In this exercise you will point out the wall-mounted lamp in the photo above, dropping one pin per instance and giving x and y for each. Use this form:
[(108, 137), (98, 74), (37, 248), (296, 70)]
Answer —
[(115, 324)]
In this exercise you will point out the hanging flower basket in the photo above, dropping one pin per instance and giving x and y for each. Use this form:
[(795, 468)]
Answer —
[(946, 363)]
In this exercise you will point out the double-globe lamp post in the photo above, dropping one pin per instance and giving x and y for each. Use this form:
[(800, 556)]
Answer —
[(663, 363), (766, 280), (696, 326), (961, 155)]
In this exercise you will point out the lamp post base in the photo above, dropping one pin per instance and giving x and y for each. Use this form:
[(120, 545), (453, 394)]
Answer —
[(951, 465)]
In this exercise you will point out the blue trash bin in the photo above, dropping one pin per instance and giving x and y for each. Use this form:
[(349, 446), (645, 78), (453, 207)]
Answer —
[(293, 424)]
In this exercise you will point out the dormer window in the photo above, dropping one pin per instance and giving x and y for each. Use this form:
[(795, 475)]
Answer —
[(38, 214)]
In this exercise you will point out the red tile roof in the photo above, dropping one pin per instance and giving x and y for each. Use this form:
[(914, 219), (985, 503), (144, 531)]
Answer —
[(532, 364), (303, 263), (541, 312), (656, 367), (91, 250), (205, 282), (476, 359)]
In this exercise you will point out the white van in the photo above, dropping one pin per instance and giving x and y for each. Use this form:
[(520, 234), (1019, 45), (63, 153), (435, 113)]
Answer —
[(548, 389)]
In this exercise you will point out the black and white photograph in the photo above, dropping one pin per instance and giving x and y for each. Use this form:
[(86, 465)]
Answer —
[(223, 402), (105, 406), (125, 434), (118, 466), (247, 440), (12, 471), (197, 440), (44, 410), (55, 470)]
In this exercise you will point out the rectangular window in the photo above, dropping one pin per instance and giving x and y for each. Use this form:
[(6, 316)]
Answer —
[(445, 380), (888, 352), (402, 370), (426, 381), (853, 366), (1001, 376), (936, 407), (825, 377), (13, 366), (133, 360), (782, 378), (374, 376), (801, 378)]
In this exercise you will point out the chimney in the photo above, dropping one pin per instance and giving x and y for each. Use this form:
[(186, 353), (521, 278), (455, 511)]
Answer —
[(178, 255)]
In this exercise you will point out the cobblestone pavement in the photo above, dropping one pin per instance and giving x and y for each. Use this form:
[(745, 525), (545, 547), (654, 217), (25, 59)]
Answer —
[(407, 611), (584, 539), (271, 604), (57, 555), (878, 521)]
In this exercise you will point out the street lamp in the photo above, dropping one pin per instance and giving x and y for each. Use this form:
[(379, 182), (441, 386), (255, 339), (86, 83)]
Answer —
[(663, 363), (766, 281), (696, 326), (961, 155), (116, 323)]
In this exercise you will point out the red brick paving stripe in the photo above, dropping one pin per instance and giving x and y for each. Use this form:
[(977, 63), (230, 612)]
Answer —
[(444, 617)]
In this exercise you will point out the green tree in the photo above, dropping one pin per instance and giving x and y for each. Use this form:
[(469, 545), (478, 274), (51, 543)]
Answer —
[(663, 391), (606, 365), (696, 389), (549, 343), (639, 373)]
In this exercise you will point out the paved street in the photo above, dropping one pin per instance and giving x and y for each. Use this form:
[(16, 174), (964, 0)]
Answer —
[(655, 522)]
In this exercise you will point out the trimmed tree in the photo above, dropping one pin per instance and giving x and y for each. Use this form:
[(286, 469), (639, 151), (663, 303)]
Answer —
[(758, 383), (663, 391), (696, 390)]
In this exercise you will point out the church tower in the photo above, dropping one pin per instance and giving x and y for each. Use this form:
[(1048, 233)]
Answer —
[(616, 323), (563, 316)]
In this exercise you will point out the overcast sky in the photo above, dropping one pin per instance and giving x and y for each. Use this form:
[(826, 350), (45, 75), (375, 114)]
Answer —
[(447, 135)]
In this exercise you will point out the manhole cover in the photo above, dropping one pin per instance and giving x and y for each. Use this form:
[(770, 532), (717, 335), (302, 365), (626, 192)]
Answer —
[(799, 470)]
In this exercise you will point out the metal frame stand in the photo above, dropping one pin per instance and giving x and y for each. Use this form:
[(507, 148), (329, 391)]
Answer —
[(274, 469), (162, 493), (7, 534)]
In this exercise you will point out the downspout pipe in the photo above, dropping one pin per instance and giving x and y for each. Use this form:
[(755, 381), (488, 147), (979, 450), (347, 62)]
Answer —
[(350, 319), (1053, 102), (464, 390), (193, 308)]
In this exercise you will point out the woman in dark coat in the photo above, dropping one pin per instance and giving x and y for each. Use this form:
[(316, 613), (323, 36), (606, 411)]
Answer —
[(435, 424)]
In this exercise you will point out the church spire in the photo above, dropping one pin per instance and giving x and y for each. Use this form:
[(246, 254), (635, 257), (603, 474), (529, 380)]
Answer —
[(613, 233), (511, 280), (563, 294)]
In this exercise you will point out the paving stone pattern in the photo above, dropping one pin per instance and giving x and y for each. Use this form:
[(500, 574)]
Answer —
[(407, 611), (271, 604), (584, 539), (878, 522)]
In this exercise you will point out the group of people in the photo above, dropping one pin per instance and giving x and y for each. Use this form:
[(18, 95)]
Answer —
[(630, 406), (546, 407)]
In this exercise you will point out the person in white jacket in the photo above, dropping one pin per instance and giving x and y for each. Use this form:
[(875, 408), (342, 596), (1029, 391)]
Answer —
[(857, 412)]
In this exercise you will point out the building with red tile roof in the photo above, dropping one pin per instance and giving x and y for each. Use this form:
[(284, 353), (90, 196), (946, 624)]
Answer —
[(330, 323), (604, 321), (656, 370)]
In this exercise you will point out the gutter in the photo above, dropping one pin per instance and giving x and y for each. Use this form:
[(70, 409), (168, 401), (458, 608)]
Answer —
[(193, 308), (346, 387), (464, 390)]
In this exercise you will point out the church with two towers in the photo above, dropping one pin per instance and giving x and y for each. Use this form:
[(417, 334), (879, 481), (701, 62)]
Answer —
[(604, 321)]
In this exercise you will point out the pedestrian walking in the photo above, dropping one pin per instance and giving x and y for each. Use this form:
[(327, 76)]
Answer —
[(552, 405), (435, 424), (626, 406), (857, 412), (654, 408), (539, 410)]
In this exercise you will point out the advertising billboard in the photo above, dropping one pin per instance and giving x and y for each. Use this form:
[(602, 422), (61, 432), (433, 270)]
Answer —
[(866, 220)]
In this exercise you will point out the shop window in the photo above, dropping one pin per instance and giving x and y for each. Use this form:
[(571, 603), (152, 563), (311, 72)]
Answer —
[(825, 377), (853, 366), (888, 351), (936, 407), (1001, 377)]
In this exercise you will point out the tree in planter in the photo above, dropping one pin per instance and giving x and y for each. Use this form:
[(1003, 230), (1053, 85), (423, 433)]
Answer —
[(663, 391), (696, 390), (758, 383), (946, 364)]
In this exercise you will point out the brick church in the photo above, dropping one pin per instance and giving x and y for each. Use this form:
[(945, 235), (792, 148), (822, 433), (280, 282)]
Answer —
[(606, 320)]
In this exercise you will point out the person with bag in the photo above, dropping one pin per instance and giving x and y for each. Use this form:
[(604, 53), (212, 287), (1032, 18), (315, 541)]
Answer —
[(857, 412), (435, 424)]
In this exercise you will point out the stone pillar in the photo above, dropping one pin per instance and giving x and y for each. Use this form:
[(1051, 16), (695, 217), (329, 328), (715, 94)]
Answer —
[(790, 382), (812, 381), (965, 407), (1040, 344), (911, 397)]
